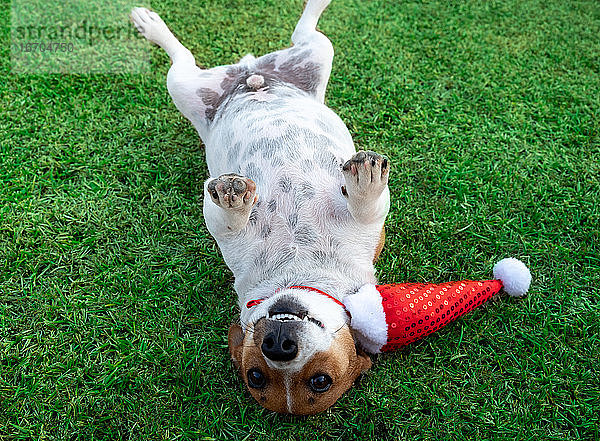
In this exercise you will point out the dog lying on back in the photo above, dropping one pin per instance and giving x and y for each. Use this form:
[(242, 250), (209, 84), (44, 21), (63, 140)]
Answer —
[(297, 213)]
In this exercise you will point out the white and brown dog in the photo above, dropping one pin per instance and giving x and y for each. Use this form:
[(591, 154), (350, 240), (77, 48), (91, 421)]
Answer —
[(297, 213)]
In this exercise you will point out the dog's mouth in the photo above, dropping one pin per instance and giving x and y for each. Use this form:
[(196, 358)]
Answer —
[(288, 316)]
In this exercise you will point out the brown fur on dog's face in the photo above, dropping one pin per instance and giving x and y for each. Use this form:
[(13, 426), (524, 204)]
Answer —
[(290, 392)]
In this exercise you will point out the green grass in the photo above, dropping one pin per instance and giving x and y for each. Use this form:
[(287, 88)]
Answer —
[(115, 302)]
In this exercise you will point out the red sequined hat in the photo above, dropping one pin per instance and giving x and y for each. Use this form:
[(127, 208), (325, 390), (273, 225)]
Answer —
[(388, 317)]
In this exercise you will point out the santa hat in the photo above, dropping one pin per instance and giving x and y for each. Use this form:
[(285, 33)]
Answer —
[(388, 317)]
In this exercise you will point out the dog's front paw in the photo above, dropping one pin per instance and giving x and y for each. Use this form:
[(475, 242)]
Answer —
[(366, 175), (233, 192)]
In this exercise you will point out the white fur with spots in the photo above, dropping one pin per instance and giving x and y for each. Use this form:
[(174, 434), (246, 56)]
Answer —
[(302, 230)]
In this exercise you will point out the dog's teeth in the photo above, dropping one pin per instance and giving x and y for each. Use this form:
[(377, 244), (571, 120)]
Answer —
[(283, 317)]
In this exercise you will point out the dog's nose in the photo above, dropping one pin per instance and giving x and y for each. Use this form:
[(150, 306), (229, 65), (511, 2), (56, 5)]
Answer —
[(278, 346)]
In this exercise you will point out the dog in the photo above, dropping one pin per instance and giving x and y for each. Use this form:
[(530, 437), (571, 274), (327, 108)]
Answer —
[(297, 212)]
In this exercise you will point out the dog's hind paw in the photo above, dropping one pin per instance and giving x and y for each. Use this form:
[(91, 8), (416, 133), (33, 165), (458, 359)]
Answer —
[(150, 25)]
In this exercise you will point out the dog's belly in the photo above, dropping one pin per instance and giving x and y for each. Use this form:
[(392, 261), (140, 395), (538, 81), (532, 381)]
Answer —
[(300, 229), (288, 129)]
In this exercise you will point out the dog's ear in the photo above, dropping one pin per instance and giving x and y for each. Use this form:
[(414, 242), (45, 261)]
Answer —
[(358, 365), (363, 360), (235, 338)]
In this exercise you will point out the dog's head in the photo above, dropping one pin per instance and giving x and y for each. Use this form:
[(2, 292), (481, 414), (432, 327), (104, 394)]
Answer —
[(297, 354)]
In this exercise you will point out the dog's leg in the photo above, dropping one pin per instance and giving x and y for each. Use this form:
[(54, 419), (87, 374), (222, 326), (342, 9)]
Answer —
[(196, 92), (151, 26), (306, 28), (366, 188), (307, 64), (306, 34), (233, 197)]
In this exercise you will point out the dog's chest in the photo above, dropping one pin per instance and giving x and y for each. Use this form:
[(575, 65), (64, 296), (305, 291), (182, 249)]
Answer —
[(293, 148)]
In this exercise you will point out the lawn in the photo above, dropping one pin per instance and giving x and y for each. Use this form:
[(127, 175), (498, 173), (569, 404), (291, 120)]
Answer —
[(115, 302)]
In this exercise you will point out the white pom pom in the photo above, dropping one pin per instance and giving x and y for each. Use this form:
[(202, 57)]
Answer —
[(515, 276), (368, 318)]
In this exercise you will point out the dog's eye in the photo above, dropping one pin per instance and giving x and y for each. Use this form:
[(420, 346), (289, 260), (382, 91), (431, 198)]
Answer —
[(320, 382), (256, 379)]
